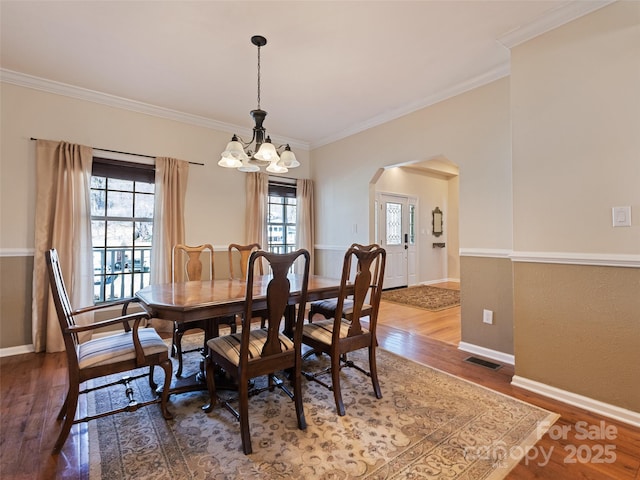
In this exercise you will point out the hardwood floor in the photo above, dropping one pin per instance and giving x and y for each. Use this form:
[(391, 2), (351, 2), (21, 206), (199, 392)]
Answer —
[(32, 388)]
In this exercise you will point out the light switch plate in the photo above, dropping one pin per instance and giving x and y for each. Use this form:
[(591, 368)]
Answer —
[(621, 216)]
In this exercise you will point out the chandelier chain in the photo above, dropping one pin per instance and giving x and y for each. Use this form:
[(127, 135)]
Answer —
[(258, 77)]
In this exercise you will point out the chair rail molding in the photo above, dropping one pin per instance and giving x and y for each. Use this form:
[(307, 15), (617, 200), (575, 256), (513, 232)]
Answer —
[(568, 258), (571, 258), (17, 252)]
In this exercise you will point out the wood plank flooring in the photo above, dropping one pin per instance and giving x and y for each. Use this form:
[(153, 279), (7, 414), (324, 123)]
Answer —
[(32, 388)]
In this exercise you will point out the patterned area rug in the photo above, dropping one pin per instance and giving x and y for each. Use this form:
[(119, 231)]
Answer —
[(427, 425), (424, 296)]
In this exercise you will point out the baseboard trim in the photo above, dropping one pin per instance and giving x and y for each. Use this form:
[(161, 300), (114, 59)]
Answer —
[(606, 409), (18, 350), (487, 353)]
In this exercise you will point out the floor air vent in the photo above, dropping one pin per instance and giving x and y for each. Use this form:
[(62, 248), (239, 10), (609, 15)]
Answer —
[(483, 363)]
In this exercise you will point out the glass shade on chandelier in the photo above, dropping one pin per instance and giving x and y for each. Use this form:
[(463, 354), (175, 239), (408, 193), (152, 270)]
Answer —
[(243, 156)]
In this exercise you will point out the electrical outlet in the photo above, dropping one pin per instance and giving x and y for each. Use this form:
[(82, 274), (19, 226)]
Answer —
[(487, 316)]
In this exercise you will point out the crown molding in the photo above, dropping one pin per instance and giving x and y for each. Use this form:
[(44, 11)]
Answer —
[(550, 20), (64, 89)]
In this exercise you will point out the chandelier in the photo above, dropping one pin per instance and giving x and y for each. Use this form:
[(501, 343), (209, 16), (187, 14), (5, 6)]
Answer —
[(247, 158)]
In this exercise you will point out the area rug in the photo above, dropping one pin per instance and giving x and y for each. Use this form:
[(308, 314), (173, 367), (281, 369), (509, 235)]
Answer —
[(424, 296), (427, 425)]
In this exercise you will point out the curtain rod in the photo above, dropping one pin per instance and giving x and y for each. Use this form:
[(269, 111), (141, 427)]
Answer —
[(128, 153)]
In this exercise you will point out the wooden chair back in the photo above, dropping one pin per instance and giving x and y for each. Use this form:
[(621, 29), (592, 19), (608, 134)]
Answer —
[(245, 251), (366, 287), (279, 297), (62, 303), (187, 264)]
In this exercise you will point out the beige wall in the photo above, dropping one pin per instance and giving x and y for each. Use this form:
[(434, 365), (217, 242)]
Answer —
[(576, 134), (15, 300), (576, 138), (578, 329), (487, 283)]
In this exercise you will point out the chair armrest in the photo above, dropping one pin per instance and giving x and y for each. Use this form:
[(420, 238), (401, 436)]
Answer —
[(137, 317), (123, 301)]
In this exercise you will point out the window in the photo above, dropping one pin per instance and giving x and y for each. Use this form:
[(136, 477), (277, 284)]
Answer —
[(281, 218), (412, 224), (121, 227)]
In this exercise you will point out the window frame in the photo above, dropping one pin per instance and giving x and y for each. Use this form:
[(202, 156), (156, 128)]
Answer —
[(288, 193), (114, 263)]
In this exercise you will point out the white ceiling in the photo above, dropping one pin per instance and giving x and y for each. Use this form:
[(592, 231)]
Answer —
[(329, 69)]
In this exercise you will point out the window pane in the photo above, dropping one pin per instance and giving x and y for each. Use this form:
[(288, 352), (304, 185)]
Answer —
[(97, 234), (276, 213), (143, 233), (291, 214), (144, 206), (98, 182), (117, 184), (412, 224), (145, 187), (120, 204), (291, 235), (394, 223), (119, 233), (98, 202)]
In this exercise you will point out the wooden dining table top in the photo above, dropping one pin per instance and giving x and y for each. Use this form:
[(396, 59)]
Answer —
[(201, 300)]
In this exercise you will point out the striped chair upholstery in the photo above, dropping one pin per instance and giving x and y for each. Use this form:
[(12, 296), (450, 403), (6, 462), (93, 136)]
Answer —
[(117, 348), (322, 331), (229, 345)]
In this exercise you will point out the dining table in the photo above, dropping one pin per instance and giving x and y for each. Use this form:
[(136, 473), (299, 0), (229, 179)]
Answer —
[(210, 299)]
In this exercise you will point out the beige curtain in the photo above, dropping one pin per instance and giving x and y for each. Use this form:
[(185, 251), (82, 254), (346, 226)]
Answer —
[(168, 215), (257, 185), (168, 221), (305, 218), (62, 221)]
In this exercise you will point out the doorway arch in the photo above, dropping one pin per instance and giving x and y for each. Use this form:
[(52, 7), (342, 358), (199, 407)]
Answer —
[(434, 183)]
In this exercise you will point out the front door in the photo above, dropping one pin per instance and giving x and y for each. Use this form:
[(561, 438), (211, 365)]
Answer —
[(396, 233)]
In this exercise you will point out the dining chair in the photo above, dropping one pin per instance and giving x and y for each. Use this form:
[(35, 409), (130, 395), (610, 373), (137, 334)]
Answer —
[(256, 352), (99, 357), (238, 269), (327, 307), (238, 264), (187, 265), (337, 336)]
